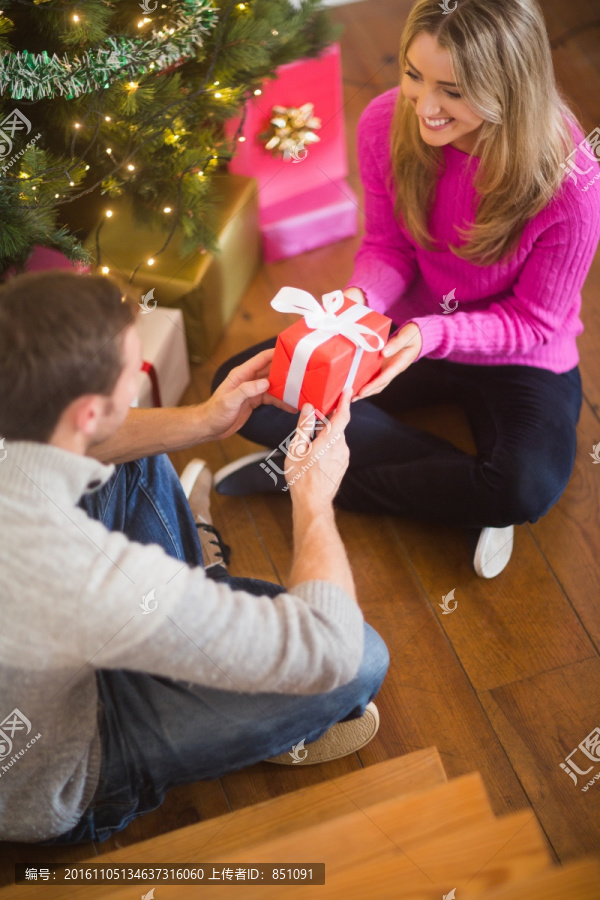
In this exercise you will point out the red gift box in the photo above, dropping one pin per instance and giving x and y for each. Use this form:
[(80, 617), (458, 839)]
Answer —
[(334, 346)]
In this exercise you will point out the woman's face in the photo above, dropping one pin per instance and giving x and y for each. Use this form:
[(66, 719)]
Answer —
[(428, 83)]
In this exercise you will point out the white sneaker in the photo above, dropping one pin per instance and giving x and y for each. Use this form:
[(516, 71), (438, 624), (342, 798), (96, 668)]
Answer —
[(493, 551), (196, 481)]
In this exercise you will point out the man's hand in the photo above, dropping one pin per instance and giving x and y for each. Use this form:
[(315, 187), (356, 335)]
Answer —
[(243, 390), (315, 468), (399, 352)]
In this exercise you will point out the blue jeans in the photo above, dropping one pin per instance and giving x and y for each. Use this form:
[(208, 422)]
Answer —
[(523, 420), (157, 733)]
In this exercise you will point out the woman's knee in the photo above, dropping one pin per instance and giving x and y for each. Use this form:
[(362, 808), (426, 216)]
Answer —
[(530, 490), (239, 358)]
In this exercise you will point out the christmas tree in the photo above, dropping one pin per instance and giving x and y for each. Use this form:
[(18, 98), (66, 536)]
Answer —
[(119, 97)]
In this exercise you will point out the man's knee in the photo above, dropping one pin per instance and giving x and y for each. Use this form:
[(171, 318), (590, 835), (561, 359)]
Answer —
[(376, 658)]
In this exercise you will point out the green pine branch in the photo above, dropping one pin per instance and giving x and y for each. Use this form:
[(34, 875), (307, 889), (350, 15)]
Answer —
[(164, 130)]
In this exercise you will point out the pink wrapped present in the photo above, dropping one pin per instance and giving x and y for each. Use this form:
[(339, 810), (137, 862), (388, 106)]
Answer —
[(43, 259), (317, 81), (314, 219)]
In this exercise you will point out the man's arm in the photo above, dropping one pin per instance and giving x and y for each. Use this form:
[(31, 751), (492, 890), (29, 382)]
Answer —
[(146, 432)]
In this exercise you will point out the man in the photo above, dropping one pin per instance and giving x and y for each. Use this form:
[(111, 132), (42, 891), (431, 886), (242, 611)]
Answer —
[(125, 667)]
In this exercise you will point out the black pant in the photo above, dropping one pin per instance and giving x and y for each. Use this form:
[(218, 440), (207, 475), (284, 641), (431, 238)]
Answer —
[(523, 421)]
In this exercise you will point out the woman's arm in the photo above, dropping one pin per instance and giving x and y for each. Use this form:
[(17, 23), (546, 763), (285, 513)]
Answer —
[(540, 303)]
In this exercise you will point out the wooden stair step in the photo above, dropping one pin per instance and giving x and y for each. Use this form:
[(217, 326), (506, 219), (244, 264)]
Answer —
[(367, 837), (485, 855), (278, 816), (575, 881), (488, 853)]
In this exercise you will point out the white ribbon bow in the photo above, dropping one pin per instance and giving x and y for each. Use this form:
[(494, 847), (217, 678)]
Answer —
[(323, 322)]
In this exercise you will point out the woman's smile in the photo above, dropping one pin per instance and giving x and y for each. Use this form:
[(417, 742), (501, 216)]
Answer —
[(435, 124)]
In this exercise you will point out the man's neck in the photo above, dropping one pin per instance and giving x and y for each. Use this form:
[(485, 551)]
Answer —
[(73, 442)]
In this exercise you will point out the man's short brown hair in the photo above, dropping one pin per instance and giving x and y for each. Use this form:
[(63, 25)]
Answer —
[(61, 337)]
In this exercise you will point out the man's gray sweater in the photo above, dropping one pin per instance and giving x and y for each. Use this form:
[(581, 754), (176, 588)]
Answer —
[(70, 604)]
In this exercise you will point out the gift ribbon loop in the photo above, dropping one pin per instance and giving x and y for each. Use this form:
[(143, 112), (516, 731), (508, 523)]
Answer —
[(324, 318)]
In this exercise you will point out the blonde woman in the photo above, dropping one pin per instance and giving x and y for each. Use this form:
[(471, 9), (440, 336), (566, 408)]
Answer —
[(482, 216)]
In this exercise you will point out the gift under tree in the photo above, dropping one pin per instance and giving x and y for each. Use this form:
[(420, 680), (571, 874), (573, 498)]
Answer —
[(101, 99)]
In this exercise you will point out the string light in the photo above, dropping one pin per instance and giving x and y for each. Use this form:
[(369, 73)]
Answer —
[(275, 32), (107, 118), (241, 139), (108, 213), (150, 262), (105, 270), (257, 92), (56, 196), (133, 85), (77, 125), (200, 174), (130, 167), (241, 6), (87, 168), (218, 95), (167, 209), (217, 83), (75, 18), (109, 150), (72, 183)]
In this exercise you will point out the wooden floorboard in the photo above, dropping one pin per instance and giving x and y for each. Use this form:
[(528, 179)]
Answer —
[(508, 684)]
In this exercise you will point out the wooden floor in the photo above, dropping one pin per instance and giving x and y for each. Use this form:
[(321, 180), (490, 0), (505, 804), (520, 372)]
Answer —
[(509, 684)]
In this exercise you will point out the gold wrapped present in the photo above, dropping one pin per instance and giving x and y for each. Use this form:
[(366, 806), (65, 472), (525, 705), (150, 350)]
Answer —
[(207, 287)]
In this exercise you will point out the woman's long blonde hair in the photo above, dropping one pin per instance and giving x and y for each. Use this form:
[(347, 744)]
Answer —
[(503, 68)]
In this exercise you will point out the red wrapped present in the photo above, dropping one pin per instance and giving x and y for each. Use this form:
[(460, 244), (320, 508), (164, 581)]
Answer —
[(334, 347)]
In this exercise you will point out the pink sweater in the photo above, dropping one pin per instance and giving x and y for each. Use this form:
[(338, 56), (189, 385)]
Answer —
[(521, 312)]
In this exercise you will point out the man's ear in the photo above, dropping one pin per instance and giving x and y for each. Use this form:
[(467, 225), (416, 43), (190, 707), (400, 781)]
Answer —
[(84, 412)]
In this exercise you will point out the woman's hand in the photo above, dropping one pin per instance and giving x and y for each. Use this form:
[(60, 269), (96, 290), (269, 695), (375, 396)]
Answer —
[(399, 352)]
